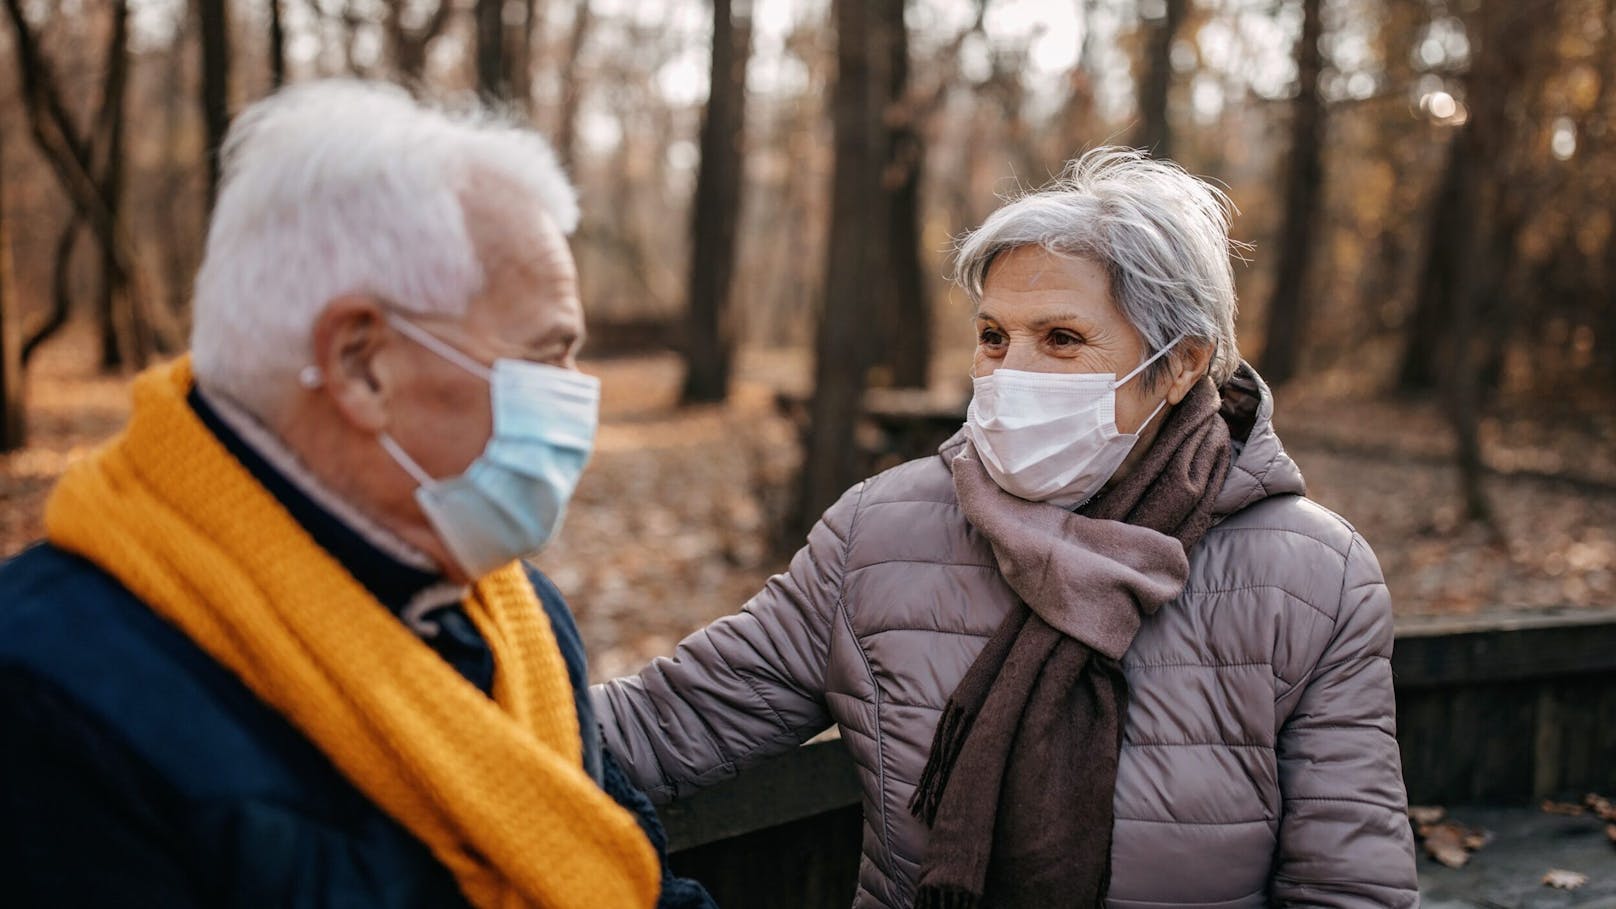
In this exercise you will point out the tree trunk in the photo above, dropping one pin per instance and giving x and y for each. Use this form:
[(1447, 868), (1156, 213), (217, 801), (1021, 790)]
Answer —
[(61, 293), (1304, 184), (214, 22), (1487, 218), (491, 82), (858, 231), (123, 334), (571, 92), (908, 336), (409, 47), (84, 167), (1428, 348), (277, 46), (519, 56), (710, 329), (13, 415), (1156, 81)]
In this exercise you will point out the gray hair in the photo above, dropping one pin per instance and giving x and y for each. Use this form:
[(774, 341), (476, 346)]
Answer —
[(338, 187), (1161, 235)]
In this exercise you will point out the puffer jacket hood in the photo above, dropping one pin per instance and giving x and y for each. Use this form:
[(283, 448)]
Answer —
[(1259, 764)]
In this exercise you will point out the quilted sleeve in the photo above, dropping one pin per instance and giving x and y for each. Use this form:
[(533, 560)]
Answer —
[(748, 686), (1344, 837)]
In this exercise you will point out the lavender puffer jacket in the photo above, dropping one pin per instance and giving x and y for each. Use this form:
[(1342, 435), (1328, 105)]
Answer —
[(1259, 766)]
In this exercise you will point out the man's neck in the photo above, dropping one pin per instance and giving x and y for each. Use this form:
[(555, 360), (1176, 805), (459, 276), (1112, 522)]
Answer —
[(404, 578)]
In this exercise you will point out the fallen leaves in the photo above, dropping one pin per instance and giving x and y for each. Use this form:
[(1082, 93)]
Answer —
[(1561, 879), (1426, 815), (1566, 809), (1603, 808), (1446, 841)]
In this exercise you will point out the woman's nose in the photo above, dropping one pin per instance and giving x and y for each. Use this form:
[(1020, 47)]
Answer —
[(1021, 355)]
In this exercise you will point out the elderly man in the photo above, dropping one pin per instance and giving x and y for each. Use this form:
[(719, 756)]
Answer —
[(278, 648)]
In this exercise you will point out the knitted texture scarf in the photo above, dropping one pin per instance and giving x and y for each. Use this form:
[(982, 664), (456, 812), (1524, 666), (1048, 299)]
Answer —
[(494, 787), (1019, 785)]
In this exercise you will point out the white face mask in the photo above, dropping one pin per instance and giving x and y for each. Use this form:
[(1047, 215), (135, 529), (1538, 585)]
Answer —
[(1052, 437)]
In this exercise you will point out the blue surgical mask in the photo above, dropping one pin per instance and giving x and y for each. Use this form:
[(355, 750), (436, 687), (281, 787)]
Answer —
[(510, 501)]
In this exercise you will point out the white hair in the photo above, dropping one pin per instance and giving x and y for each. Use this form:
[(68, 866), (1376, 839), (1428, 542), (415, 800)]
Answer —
[(340, 187), (1161, 235)]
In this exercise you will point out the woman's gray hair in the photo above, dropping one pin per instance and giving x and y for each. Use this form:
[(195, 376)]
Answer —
[(1161, 235)]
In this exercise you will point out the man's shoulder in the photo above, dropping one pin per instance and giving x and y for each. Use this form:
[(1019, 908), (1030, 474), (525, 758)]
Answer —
[(74, 633), (49, 595)]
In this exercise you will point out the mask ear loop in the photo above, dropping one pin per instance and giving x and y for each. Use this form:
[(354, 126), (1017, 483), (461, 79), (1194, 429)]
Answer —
[(1151, 359), (439, 346), (391, 446), (445, 350)]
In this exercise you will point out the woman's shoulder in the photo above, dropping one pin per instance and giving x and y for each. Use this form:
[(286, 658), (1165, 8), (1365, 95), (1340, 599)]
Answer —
[(922, 481), (1280, 580), (1289, 544), (1289, 515)]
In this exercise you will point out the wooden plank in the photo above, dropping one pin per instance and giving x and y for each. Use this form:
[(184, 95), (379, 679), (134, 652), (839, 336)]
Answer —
[(1511, 648), (810, 863), (814, 779)]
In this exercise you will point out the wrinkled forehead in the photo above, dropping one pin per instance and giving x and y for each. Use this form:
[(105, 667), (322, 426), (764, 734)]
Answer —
[(528, 268)]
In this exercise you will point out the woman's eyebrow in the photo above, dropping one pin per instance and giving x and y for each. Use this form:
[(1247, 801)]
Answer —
[(1042, 321), (1053, 318)]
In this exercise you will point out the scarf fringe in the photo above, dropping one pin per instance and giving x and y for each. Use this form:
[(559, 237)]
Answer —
[(945, 750), (946, 897)]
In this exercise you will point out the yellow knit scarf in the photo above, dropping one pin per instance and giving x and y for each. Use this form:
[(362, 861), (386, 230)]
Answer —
[(496, 788)]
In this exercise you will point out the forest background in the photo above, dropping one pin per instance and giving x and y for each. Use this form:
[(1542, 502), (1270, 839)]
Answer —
[(771, 189)]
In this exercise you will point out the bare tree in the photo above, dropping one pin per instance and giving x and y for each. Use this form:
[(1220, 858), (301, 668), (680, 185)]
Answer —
[(409, 45), (1427, 344), (709, 342), (13, 415), (907, 351), (277, 46), (571, 91), (91, 180), (491, 72), (1156, 80), (520, 39), (1489, 217), (858, 232), (213, 19), (1304, 188)]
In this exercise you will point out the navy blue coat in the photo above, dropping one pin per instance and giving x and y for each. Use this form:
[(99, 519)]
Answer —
[(137, 771)]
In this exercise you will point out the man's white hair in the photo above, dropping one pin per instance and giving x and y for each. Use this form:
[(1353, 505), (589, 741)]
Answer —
[(1161, 235), (340, 187)]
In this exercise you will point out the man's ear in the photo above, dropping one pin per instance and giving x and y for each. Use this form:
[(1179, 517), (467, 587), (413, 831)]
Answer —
[(1190, 361), (347, 337)]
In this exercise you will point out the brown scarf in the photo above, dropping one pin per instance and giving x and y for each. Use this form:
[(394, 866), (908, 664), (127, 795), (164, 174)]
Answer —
[(1018, 789)]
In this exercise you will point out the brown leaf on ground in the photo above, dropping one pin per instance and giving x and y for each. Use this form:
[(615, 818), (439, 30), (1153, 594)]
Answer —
[(1610, 831), (1561, 879), (1604, 808), (1476, 839), (1446, 844), (1569, 809), (1426, 815)]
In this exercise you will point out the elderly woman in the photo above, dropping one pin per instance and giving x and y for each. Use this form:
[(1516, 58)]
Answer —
[(1099, 650)]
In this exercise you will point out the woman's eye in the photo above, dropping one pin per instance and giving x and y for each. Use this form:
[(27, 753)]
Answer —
[(990, 338), (1064, 339)]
